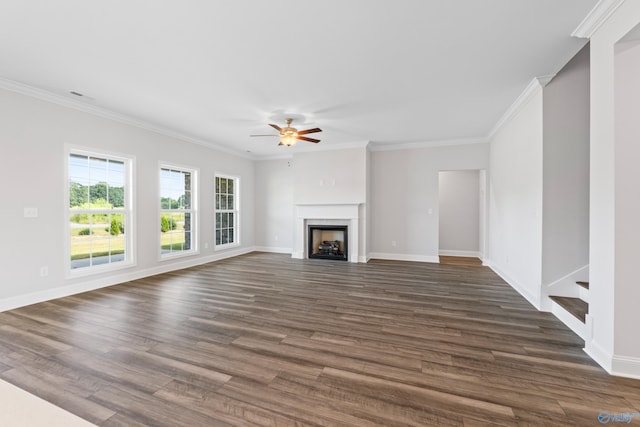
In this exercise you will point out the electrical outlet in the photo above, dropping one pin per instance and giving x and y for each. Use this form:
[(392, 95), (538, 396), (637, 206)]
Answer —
[(206, 245), (393, 243), (44, 271)]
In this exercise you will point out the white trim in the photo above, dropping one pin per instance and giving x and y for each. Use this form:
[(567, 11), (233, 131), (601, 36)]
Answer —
[(599, 354), (404, 257), (624, 366), (595, 18), (472, 254), (569, 320), (61, 100), (534, 87), (533, 299), (113, 279), (581, 273), (236, 211), (390, 146), (364, 259), (129, 213), (273, 250), (321, 214)]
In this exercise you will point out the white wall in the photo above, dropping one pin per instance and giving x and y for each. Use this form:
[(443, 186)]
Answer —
[(565, 206), (33, 136), (627, 200), (274, 205), (459, 204), (515, 200), (330, 177), (608, 289), (404, 197)]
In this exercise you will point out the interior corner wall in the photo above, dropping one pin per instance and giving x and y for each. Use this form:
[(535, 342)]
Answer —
[(459, 216), (515, 200), (606, 288), (404, 197), (274, 205), (565, 205), (33, 136)]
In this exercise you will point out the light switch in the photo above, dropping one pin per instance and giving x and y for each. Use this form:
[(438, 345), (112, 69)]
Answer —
[(30, 212)]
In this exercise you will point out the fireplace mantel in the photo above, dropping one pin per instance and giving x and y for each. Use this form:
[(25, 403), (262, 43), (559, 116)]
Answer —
[(323, 214)]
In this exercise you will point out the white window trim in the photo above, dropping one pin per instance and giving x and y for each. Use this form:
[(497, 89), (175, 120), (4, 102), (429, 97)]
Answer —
[(195, 247), (129, 212), (236, 211)]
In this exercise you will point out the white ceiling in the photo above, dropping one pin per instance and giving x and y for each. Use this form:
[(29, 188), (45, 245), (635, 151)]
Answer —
[(407, 71)]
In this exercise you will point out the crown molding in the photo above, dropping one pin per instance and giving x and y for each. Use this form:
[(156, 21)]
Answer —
[(595, 18), (104, 113), (535, 86), (391, 146)]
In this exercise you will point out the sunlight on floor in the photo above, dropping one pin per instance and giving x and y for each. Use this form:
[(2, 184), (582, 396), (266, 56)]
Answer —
[(22, 409)]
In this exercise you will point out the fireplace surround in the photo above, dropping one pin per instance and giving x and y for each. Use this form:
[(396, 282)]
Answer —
[(340, 214)]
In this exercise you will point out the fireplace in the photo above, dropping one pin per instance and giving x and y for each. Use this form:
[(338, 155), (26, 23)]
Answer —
[(328, 242), (335, 215)]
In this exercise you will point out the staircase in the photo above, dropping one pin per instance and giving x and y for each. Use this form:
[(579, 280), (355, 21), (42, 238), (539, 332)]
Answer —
[(573, 310)]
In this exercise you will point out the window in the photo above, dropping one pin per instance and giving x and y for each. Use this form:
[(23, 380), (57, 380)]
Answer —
[(177, 211), (100, 225), (226, 211)]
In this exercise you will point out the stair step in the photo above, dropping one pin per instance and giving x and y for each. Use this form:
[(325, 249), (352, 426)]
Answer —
[(583, 284), (575, 306)]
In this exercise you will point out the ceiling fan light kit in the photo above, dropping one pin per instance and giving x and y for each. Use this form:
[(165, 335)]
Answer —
[(289, 136)]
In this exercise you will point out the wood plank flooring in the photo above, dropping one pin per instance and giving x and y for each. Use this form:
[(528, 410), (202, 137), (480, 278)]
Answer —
[(266, 340), (575, 306), (460, 260)]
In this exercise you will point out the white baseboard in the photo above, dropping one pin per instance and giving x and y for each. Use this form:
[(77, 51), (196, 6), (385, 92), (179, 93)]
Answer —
[(121, 277), (404, 257), (624, 366), (599, 355), (533, 299), (274, 250), (446, 252)]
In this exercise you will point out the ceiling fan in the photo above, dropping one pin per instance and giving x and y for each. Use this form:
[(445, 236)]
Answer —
[(289, 135)]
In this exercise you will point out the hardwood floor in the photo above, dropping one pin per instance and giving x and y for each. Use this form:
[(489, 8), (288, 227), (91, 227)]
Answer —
[(460, 260), (267, 340)]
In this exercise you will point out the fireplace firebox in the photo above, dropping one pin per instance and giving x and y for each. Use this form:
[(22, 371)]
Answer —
[(328, 242)]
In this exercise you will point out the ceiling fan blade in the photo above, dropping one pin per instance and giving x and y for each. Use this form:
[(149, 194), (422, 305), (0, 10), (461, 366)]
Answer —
[(276, 127), (314, 130), (304, 138)]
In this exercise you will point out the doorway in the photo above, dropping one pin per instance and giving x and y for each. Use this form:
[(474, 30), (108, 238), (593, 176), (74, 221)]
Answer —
[(462, 219)]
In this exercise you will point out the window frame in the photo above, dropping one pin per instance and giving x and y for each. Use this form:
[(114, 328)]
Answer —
[(128, 211), (195, 217), (235, 211)]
